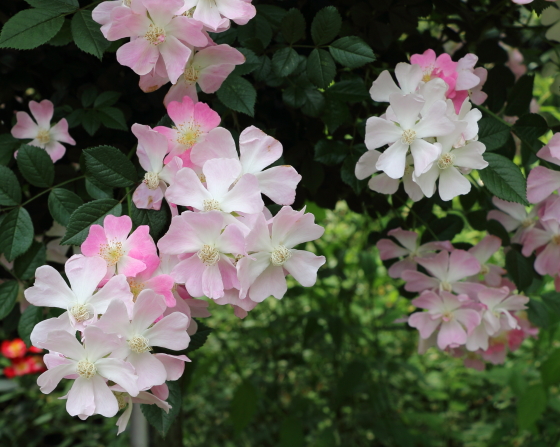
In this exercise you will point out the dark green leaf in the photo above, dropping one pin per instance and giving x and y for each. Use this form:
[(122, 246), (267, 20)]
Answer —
[(504, 179), (531, 406), (255, 35), (331, 152), (87, 34), (91, 121), (320, 68), (326, 25), (36, 166), (243, 405), (294, 96), (538, 313), (62, 203), (30, 317), (285, 61), (293, 26), (158, 418), (264, 68), (198, 339), (8, 146), (26, 264), (10, 191), (252, 62), (529, 128), (314, 103), (64, 35), (106, 99), (550, 369), (30, 28), (495, 228), (273, 14), (351, 51), (445, 228), (351, 90), (112, 118), (520, 96), (493, 133), (291, 433), (520, 269), (87, 215), (348, 175), (238, 94), (335, 114), (110, 166), (16, 233), (158, 221), (60, 6), (8, 297), (98, 190), (88, 96)]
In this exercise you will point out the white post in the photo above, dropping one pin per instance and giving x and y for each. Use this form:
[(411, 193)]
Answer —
[(139, 436)]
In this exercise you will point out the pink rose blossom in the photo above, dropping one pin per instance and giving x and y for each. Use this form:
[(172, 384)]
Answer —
[(513, 217), (541, 181), (150, 279), (214, 14), (483, 251), (40, 131), (123, 253), (547, 237)]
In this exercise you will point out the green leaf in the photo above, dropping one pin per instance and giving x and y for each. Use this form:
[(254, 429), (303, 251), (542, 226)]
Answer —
[(350, 91), (243, 405), (8, 146), (16, 233), (529, 128), (30, 317), (314, 104), (98, 190), (64, 35), (30, 28), (8, 297), (351, 51), (158, 221), (520, 96), (538, 313), (519, 268), (320, 68), (88, 95), (62, 203), (112, 118), (199, 339), (36, 166), (504, 179), (445, 228), (293, 26), (251, 63), (291, 433), (91, 121), (88, 214), (26, 264), (335, 114), (493, 133), (264, 68), (106, 99), (110, 166), (550, 369), (326, 25), (87, 34), (531, 406), (158, 418), (255, 35), (60, 6), (238, 94), (294, 96), (285, 61), (347, 172), (273, 14), (10, 191), (331, 152)]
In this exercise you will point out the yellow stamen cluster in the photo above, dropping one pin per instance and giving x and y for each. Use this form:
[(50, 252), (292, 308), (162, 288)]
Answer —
[(190, 74), (151, 179), (208, 255), (445, 161), (408, 136), (80, 312), (155, 35), (189, 134), (135, 287), (86, 369), (211, 205), (138, 344), (111, 252), (43, 136), (280, 255)]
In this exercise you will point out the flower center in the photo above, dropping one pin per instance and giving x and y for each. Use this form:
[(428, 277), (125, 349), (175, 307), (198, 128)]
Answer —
[(127, 2), (121, 400), (80, 312), (447, 316), (188, 135), (86, 369), (151, 179), (484, 269), (138, 344), (527, 223), (446, 286), (111, 252), (556, 239), (211, 205), (445, 161), (208, 255), (190, 74), (202, 178), (135, 287), (155, 35), (280, 255), (427, 77), (408, 136), (43, 136)]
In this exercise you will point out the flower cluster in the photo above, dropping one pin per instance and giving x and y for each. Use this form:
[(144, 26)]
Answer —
[(21, 362), (469, 306), (169, 41), (429, 126)]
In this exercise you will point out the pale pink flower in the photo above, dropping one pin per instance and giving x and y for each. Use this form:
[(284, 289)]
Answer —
[(451, 166), (447, 270), (513, 217), (257, 151), (445, 312), (55, 251), (476, 94), (151, 279), (81, 302), (158, 31), (215, 14), (407, 131), (209, 270), (546, 237), (91, 367), (408, 77), (139, 334), (272, 255), (409, 249), (241, 306), (192, 122), (225, 190), (103, 11), (483, 251), (123, 253), (151, 151), (541, 181), (40, 131)]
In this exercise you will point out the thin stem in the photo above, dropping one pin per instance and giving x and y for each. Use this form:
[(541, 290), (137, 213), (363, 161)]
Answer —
[(50, 189)]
